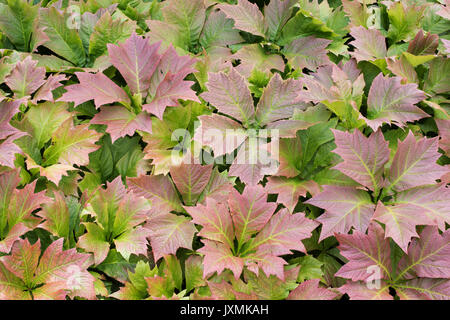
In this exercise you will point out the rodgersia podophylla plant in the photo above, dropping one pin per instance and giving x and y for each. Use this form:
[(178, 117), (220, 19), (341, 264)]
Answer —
[(229, 149)]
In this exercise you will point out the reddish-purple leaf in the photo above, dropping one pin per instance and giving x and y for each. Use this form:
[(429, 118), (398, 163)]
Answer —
[(25, 78), (364, 158), (345, 207), (168, 232), (247, 17), (391, 102), (230, 95), (365, 253), (415, 164), (360, 291), (121, 122), (310, 290), (97, 87), (369, 43), (136, 59), (307, 52)]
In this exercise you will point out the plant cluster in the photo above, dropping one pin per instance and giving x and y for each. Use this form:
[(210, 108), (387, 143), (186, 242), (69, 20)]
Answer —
[(224, 149)]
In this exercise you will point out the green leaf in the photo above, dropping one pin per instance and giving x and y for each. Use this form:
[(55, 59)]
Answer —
[(310, 268), (17, 19), (63, 41)]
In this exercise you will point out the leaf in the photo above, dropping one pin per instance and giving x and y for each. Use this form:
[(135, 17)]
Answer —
[(219, 257), (404, 20), (432, 201), (106, 32), (168, 232), (427, 256), (396, 107), (250, 211), (369, 43), (218, 31), (121, 122), (45, 119), (279, 100), (136, 59), (71, 144), (364, 158), (365, 254), (289, 190), (360, 291), (194, 272), (401, 222), (246, 16), (276, 14), (308, 52), (310, 290), (57, 216), (345, 207), (25, 78), (62, 40), (187, 16), (425, 288), (254, 59), (190, 179), (230, 95), (414, 164), (159, 190), (310, 268), (97, 87), (61, 272), (16, 207), (284, 233), (437, 80), (17, 22)]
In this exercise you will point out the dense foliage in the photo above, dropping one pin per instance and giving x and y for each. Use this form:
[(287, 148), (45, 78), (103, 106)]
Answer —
[(128, 134)]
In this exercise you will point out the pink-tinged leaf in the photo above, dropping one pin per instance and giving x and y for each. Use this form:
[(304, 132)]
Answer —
[(50, 291), (219, 257), (7, 110), (159, 190), (69, 266), (136, 59), (415, 164), (222, 134), (170, 90), (225, 291), (230, 95), (402, 68), (253, 161), (428, 256), (246, 16), (12, 287), (310, 290), (446, 45), (54, 173), (23, 260), (289, 190), (391, 102), (190, 179), (287, 128), (432, 201), (168, 232), (357, 13), (360, 291), (308, 52), (218, 187), (424, 288), (279, 100), (56, 215), (253, 57), (283, 233), (369, 43), (401, 221), (122, 122), (269, 263), (25, 78), (444, 133), (132, 241), (215, 219), (8, 150), (276, 14), (365, 253), (71, 144), (345, 207), (97, 87), (45, 92), (364, 158), (250, 211), (12, 236)]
